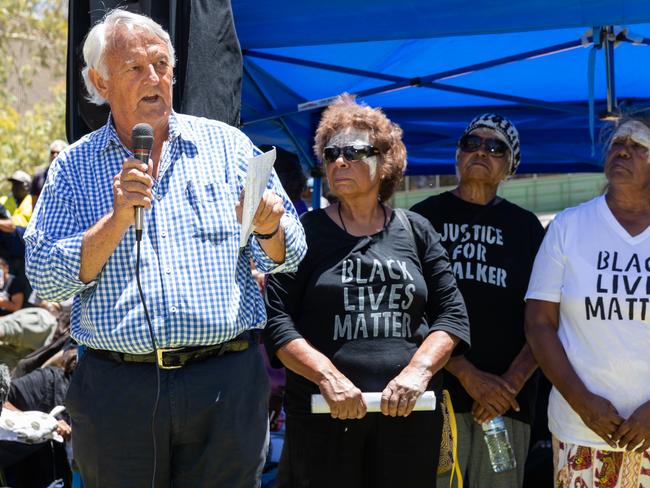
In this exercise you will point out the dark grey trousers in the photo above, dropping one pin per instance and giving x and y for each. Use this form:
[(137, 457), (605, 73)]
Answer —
[(211, 425), (474, 457)]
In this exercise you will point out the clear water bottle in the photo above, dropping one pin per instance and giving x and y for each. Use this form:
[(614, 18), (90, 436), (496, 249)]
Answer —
[(502, 456)]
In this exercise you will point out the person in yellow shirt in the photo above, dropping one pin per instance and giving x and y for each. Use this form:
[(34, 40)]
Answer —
[(19, 204)]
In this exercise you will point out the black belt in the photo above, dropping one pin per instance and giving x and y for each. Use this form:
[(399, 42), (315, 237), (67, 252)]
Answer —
[(173, 358)]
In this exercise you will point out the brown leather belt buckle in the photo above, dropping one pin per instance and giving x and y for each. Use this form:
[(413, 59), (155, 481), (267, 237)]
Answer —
[(160, 359)]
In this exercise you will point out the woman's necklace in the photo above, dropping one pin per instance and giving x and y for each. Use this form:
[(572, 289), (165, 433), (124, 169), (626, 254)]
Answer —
[(383, 209)]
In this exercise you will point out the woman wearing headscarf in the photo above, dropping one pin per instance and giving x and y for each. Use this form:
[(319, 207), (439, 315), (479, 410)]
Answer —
[(492, 244), (588, 323), (373, 307)]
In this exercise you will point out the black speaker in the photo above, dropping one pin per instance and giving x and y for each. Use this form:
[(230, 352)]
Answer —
[(209, 62)]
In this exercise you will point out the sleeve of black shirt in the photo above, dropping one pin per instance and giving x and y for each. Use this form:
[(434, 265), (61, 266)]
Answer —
[(17, 285), (284, 293), (282, 302), (40, 390), (446, 307), (32, 391)]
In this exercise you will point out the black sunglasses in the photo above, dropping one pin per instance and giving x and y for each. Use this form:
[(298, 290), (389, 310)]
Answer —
[(472, 143), (350, 153)]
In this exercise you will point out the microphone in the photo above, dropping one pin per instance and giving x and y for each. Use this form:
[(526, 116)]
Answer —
[(142, 140)]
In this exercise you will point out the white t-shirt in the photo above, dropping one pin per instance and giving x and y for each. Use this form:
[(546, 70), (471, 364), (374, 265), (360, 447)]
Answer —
[(600, 275)]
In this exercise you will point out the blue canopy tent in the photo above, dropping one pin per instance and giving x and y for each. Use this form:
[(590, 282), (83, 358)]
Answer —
[(434, 64)]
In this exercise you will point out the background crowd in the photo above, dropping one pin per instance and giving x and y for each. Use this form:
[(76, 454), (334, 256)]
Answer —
[(34, 337)]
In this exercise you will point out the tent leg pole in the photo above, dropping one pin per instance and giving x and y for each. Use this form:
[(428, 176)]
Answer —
[(316, 192), (609, 66)]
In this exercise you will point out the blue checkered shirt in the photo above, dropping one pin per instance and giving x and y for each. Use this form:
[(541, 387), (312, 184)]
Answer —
[(197, 283)]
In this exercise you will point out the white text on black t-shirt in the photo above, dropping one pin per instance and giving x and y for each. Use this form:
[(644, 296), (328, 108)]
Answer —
[(469, 251), (377, 302)]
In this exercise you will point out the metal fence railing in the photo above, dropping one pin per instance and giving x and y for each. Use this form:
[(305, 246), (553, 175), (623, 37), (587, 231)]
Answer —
[(542, 194)]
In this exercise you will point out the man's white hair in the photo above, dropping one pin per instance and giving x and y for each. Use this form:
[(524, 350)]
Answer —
[(101, 36)]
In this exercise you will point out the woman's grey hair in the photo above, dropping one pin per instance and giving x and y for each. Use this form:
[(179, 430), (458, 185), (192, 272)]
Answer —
[(101, 36), (639, 113)]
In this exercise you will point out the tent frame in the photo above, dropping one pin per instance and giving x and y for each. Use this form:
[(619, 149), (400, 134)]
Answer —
[(602, 38), (427, 81)]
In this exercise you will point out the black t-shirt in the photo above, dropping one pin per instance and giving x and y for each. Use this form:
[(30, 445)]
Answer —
[(42, 389), (492, 249), (365, 302), (38, 181)]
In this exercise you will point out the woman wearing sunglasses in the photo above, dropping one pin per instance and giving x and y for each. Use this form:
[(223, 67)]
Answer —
[(588, 322), (492, 244), (373, 308)]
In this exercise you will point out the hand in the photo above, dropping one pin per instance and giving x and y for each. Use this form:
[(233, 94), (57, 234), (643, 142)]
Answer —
[(64, 430), (481, 414), (53, 307), (275, 410), (635, 431), (491, 392), (7, 225), (515, 380), (401, 393), (132, 187), (260, 279), (343, 397), (268, 214), (600, 416)]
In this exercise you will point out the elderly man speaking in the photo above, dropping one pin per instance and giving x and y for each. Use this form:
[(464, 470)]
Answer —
[(206, 389)]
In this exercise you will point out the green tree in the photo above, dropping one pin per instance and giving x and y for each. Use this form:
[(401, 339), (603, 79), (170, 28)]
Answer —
[(33, 40)]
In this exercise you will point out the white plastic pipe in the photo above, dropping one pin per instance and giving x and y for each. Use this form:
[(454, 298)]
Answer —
[(426, 402)]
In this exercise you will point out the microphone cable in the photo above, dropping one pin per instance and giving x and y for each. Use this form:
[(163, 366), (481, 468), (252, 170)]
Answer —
[(142, 137), (155, 355)]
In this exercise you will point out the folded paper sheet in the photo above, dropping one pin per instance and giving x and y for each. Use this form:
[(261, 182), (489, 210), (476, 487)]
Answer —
[(257, 177)]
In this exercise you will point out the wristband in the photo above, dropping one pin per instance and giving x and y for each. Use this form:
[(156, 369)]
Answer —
[(267, 236)]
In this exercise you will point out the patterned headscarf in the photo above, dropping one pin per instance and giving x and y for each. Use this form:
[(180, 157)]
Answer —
[(506, 131)]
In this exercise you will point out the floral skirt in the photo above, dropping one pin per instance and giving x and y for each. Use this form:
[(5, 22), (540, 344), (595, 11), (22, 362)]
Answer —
[(585, 467)]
